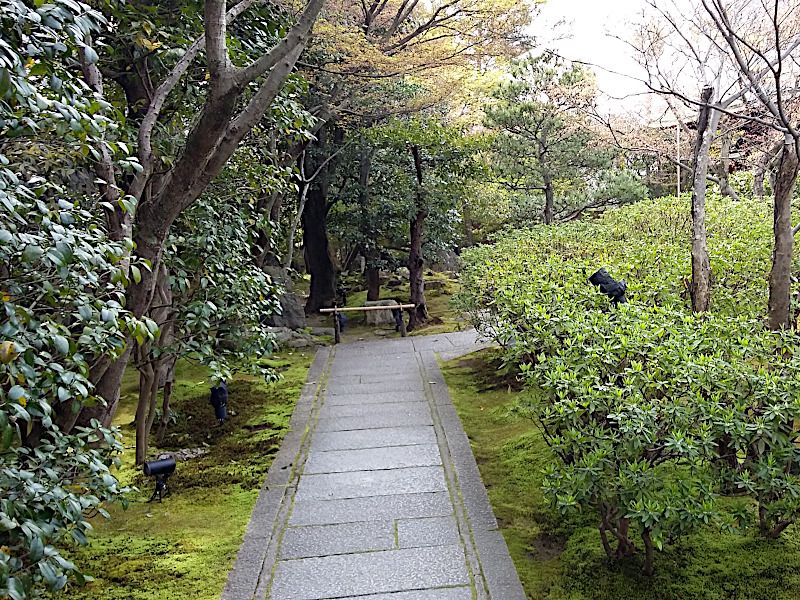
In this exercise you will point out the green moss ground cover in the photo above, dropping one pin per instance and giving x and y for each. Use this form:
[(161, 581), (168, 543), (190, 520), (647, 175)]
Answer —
[(562, 558), (185, 547)]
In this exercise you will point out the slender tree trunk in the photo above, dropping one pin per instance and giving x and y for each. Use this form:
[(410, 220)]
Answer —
[(625, 547), (763, 166), (371, 254), (165, 411), (469, 236), (416, 261), (148, 394), (287, 263), (154, 371), (416, 269), (723, 166), (318, 254), (780, 275), (548, 198), (659, 178), (108, 388), (758, 178), (649, 555), (604, 539), (701, 268)]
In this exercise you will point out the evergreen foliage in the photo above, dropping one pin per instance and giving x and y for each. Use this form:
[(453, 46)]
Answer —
[(653, 411)]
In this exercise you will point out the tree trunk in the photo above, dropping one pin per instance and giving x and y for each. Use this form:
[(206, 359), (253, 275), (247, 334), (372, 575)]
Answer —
[(154, 372), (548, 198), (469, 236), (701, 268), (371, 254), (317, 254), (758, 179), (148, 394), (763, 166), (287, 263), (165, 412), (416, 265), (723, 166), (649, 556), (625, 548), (604, 539), (657, 190), (780, 275), (319, 263), (108, 388), (416, 262), (373, 283)]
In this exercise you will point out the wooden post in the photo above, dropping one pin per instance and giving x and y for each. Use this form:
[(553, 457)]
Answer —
[(337, 337), (403, 330)]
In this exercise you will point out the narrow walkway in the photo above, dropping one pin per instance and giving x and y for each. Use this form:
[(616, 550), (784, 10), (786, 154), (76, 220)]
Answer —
[(375, 493)]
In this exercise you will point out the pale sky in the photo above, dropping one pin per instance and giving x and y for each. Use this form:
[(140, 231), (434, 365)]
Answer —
[(587, 23)]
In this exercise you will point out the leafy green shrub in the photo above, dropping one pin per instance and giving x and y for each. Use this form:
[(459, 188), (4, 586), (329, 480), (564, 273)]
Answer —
[(61, 303), (653, 411)]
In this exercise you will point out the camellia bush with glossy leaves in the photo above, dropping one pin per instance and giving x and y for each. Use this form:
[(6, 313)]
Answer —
[(61, 303), (655, 412)]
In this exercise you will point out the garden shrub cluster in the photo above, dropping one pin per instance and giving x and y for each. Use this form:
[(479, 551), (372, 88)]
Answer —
[(655, 413)]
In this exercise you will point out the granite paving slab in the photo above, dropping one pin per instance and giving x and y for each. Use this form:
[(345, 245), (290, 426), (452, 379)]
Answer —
[(373, 459), (369, 573), (377, 437), (374, 508), (400, 385), (375, 494), (372, 398), (347, 538), (360, 484), (393, 409), (383, 420), (433, 531)]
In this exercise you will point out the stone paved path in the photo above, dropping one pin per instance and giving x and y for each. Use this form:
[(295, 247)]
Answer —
[(375, 493)]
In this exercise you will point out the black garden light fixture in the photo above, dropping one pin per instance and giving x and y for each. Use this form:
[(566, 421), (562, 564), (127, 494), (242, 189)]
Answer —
[(161, 469), (609, 286), (219, 400)]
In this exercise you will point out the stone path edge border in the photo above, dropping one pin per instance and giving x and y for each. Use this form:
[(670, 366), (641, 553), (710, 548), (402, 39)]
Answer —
[(244, 577), (497, 567)]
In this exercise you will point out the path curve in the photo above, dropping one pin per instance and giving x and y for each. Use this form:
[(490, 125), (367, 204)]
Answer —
[(375, 493)]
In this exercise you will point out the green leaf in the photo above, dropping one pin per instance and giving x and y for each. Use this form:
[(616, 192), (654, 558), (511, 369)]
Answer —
[(15, 589), (31, 253), (7, 437), (36, 550), (136, 274), (90, 54), (61, 344), (49, 574), (5, 82), (79, 536)]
